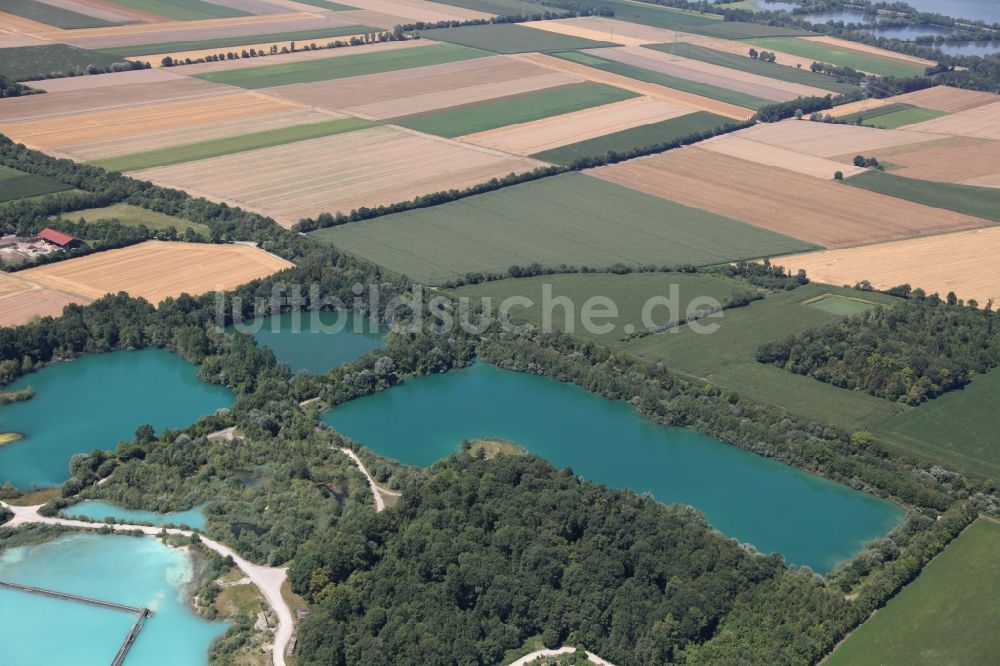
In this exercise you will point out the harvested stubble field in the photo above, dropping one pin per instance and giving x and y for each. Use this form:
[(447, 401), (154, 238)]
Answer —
[(110, 131), (761, 153), (982, 122), (183, 10), (769, 70), (413, 11), (548, 133), (568, 219), (831, 140), (95, 81), (49, 15), (818, 211), (949, 100), (700, 71), (424, 89), (21, 300), (955, 262), (491, 114), (651, 71), (155, 270), (380, 165), (110, 97), (269, 76), (265, 138), (624, 141), (511, 38), (951, 160), (693, 101)]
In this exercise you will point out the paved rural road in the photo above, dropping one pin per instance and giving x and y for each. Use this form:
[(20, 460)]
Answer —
[(267, 579), (377, 490)]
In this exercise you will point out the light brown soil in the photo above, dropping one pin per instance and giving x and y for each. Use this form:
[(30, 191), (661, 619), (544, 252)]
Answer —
[(121, 124), (703, 72), (418, 10), (548, 133), (819, 211), (829, 140), (113, 79), (380, 165), (423, 89), (809, 165), (21, 300), (112, 97), (950, 100), (982, 122), (694, 102), (951, 160), (155, 270), (948, 262)]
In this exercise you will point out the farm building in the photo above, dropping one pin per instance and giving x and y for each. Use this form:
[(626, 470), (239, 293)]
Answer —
[(59, 239)]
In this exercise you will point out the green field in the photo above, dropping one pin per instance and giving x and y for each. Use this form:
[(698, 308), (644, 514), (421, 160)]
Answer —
[(628, 292), (341, 67), (664, 131), (744, 63), (325, 4), (981, 202), (904, 117), (182, 10), (230, 145), (51, 15), (27, 62), (519, 109), (17, 185), (511, 38), (947, 616), (834, 56), (841, 305), (569, 219), (958, 429), (135, 216), (677, 83), (727, 357), (305, 36)]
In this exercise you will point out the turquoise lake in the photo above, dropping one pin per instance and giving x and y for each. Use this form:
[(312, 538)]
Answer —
[(316, 341), (809, 520), (96, 401), (129, 570), (98, 511)]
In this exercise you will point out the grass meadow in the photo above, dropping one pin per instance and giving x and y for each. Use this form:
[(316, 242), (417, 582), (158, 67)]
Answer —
[(663, 131), (230, 145), (489, 115), (134, 216), (659, 78), (946, 616), (570, 219), (981, 202), (328, 69), (832, 55)]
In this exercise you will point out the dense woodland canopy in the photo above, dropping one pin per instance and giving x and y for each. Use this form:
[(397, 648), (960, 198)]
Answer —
[(910, 353)]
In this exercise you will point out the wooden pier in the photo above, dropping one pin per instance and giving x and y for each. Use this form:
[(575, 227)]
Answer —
[(143, 613)]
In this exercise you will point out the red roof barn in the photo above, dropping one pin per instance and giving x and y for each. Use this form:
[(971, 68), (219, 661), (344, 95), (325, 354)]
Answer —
[(65, 241)]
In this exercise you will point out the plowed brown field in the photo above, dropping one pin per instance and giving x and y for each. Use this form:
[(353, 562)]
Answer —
[(155, 270), (823, 212), (548, 133), (809, 165), (982, 122), (949, 262), (423, 89), (369, 167)]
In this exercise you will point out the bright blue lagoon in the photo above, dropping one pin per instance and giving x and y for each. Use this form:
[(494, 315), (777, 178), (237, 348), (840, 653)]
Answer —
[(810, 520), (98, 511)]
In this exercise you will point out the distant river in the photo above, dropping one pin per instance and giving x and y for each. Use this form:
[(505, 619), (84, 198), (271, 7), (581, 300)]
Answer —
[(96, 401), (810, 520), (135, 571)]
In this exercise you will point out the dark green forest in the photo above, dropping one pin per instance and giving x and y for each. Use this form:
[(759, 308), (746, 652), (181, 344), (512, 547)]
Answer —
[(911, 353)]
